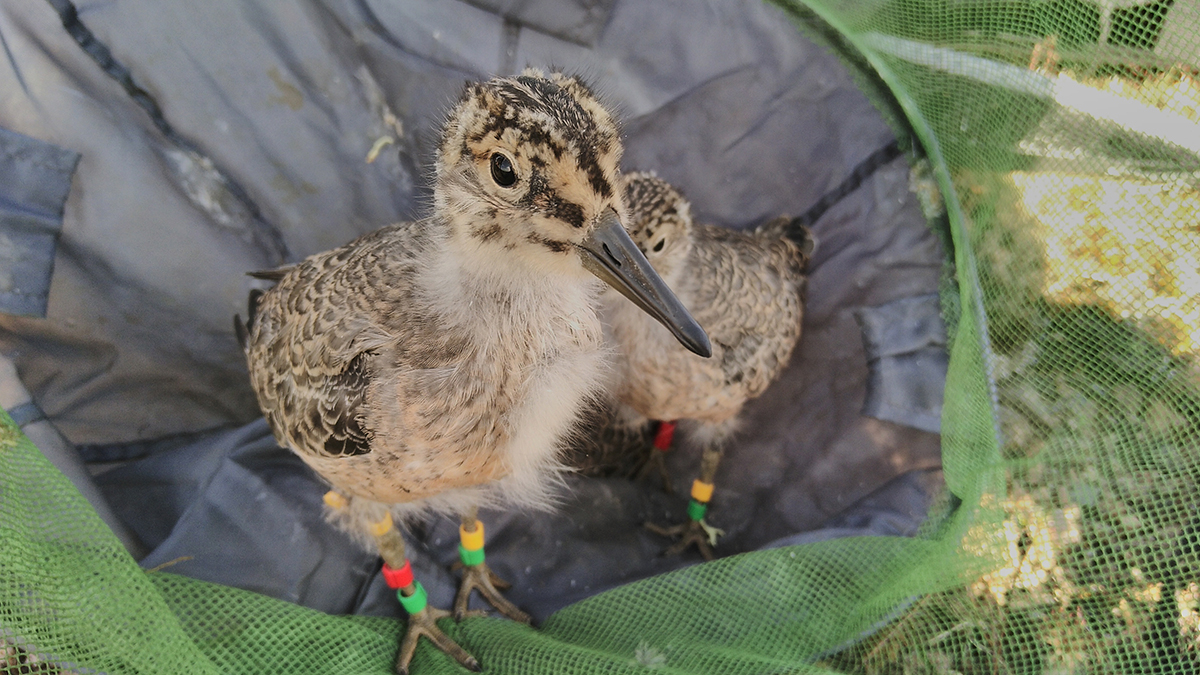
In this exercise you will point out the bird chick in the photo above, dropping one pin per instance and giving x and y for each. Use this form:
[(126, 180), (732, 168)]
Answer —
[(746, 289), (434, 366)]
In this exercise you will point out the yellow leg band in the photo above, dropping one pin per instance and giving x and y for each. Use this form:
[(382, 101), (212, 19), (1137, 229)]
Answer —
[(381, 528), (472, 541), (335, 500), (701, 491)]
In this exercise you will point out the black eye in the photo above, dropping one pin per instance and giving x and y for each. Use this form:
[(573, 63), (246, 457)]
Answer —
[(502, 171), (659, 245)]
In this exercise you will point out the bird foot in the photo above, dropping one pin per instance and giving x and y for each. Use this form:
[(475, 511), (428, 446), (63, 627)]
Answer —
[(693, 532), (424, 623), (656, 463), (480, 577), (499, 583)]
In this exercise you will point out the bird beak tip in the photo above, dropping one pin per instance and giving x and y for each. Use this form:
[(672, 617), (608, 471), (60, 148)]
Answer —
[(611, 255)]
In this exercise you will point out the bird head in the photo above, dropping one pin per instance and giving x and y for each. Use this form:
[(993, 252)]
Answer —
[(527, 176), (659, 221)]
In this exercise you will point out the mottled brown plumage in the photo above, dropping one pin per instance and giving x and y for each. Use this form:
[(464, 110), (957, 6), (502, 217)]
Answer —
[(401, 365), (437, 365), (606, 445), (745, 288)]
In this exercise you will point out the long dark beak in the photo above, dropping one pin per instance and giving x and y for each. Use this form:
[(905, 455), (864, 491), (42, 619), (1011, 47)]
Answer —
[(610, 254)]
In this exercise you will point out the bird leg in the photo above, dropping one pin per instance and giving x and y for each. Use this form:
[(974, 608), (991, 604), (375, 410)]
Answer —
[(656, 462), (696, 531), (477, 575), (424, 623), (397, 572)]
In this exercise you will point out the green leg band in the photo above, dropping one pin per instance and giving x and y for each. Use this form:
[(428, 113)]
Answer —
[(470, 558), (696, 510), (415, 603)]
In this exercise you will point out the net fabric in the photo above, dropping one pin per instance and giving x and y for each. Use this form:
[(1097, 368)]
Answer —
[(72, 600), (1063, 137)]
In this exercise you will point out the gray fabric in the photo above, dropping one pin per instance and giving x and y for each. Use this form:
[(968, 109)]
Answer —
[(287, 99), (235, 509), (897, 509), (25, 413), (905, 342), (35, 177), (14, 398), (580, 21), (726, 100)]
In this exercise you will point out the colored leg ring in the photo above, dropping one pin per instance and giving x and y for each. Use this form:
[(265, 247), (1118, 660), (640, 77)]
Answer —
[(468, 557), (696, 510), (415, 603), (381, 528), (664, 436), (472, 541), (398, 578), (335, 500), (701, 491)]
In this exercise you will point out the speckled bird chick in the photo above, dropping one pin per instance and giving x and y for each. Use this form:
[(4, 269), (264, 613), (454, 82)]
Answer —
[(436, 365), (745, 288)]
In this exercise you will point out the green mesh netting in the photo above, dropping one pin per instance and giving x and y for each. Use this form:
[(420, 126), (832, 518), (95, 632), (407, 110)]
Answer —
[(1064, 138)]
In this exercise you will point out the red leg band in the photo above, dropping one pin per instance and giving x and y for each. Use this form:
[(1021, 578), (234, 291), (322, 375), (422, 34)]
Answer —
[(398, 578), (666, 434)]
